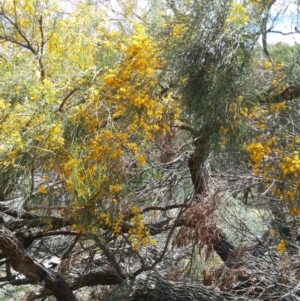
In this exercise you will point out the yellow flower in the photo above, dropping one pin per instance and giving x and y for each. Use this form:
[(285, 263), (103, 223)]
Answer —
[(115, 188), (296, 139), (153, 241), (267, 65), (43, 189), (272, 232), (141, 159), (295, 210), (281, 248)]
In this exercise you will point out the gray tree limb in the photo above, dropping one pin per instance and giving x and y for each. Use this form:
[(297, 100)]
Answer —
[(147, 287)]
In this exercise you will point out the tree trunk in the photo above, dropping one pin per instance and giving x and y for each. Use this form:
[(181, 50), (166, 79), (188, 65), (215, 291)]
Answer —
[(198, 158), (151, 287)]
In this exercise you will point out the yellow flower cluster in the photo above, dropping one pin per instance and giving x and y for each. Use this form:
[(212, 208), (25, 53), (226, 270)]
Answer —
[(116, 188), (290, 164), (179, 30), (117, 224), (269, 65), (278, 107), (138, 233), (105, 219), (127, 80), (78, 228), (295, 210), (258, 152), (283, 166), (277, 81), (238, 14), (43, 189), (272, 232), (281, 247), (4, 105)]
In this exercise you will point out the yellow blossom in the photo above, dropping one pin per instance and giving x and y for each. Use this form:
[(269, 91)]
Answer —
[(43, 189), (281, 247)]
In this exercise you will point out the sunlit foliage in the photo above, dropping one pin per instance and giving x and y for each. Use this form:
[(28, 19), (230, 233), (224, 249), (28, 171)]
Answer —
[(79, 99)]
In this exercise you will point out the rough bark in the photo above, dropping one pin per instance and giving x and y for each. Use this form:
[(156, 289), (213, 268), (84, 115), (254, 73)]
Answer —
[(151, 287), (196, 164), (222, 246), (95, 278), (197, 160), (23, 263)]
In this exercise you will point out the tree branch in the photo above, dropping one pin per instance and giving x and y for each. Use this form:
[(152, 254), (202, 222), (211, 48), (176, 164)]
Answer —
[(24, 264), (152, 287)]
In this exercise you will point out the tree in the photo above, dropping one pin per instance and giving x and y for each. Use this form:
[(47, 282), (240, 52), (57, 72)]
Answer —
[(108, 124)]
